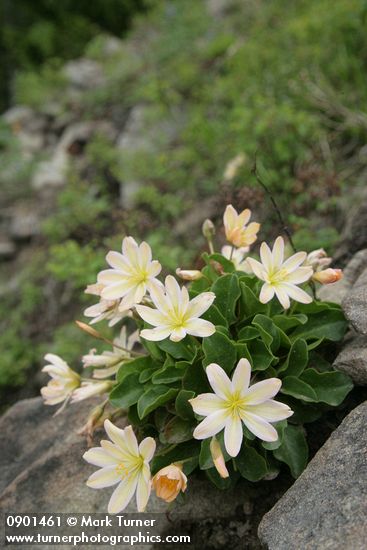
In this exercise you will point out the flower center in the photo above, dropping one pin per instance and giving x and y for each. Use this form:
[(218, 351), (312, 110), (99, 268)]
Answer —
[(122, 470), (277, 276)]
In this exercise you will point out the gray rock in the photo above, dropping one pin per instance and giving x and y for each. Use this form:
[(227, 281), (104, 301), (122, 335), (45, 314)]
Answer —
[(355, 304), (326, 507), (25, 222), (7, 248), (84, 74), (354, 235), (353, 360), (51, 173), (337, 291)]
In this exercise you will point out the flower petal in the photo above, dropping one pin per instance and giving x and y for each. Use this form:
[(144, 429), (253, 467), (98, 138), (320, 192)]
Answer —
[(178, 334), (266, 257), (233, 435), (122, 495), (173, 292), (282, 296), (104, 478), (117, 261), (151, 316), (130, 249), (219, 380), (147, 448), (145, 255), (300, 275), (118, 290), (200, 304), (241, 377), (211, 425), (99, 457), (257, 268), (278, 252), (230, 217), (143, 489), (156, 334), (206, 403), (259, 427), (294, 261), (297, 293), (199, 327), (131, 441), (271, 410), (267, 293), (261, 391)]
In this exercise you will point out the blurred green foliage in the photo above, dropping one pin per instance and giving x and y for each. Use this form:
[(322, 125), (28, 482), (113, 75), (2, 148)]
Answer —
[(210, 88)]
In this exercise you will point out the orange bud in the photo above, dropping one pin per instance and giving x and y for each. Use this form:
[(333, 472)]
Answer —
[(218, 458), (328, 276), (169, 481)]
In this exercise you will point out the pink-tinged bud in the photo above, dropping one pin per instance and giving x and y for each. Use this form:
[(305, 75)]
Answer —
[(328, 276), (318, 259), (189, 274), (169, 481), (208, 229), (218, 458)]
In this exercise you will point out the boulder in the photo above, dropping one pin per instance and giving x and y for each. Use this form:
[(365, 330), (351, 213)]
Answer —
[(353, 359), (326, 507), (355, 304)]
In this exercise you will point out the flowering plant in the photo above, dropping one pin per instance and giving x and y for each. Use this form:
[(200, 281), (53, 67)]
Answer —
[(220, 375)]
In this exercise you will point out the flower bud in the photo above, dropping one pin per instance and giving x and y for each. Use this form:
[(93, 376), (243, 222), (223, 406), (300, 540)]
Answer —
[(208, 229), (169, 481), (90, 389), (233, 166), (189, 274), (218, 458), (328, 276)]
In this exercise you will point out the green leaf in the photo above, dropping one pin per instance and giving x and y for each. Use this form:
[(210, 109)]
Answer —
[(248, 333), (261, 356), (271, 335), (153, 398), (330, 387), (178, 350), (136, 365), (297, 359), (187, 451), (221, 350), (251, 464), (271, 445), (153, 349), (293, 450), (214, 316), (219, 482), (182, 405), (176, 431), (146, 375), (195, 379), (169, 374), (298, 388), (250, 305), (227, 292), (286, 322), (205, 457), (127, 392), (327, 323)]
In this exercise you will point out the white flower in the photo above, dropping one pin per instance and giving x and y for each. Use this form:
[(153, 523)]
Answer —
[(90, 389), (133, 273), (235, 402), (111, 359), (63, 380), (235, 225), (281, 277), (176, 315), (237, 257), (104, 309), (125, 463)]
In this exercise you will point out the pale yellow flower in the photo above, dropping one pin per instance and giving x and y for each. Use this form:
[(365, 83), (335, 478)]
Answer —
[(133, 273), (235, 225), (111, 360), (176, 315), (280, 276), (125, 463), (318, 259), (237, 257), (109, 310), (169, 481), (234, 402), (63, 380)]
